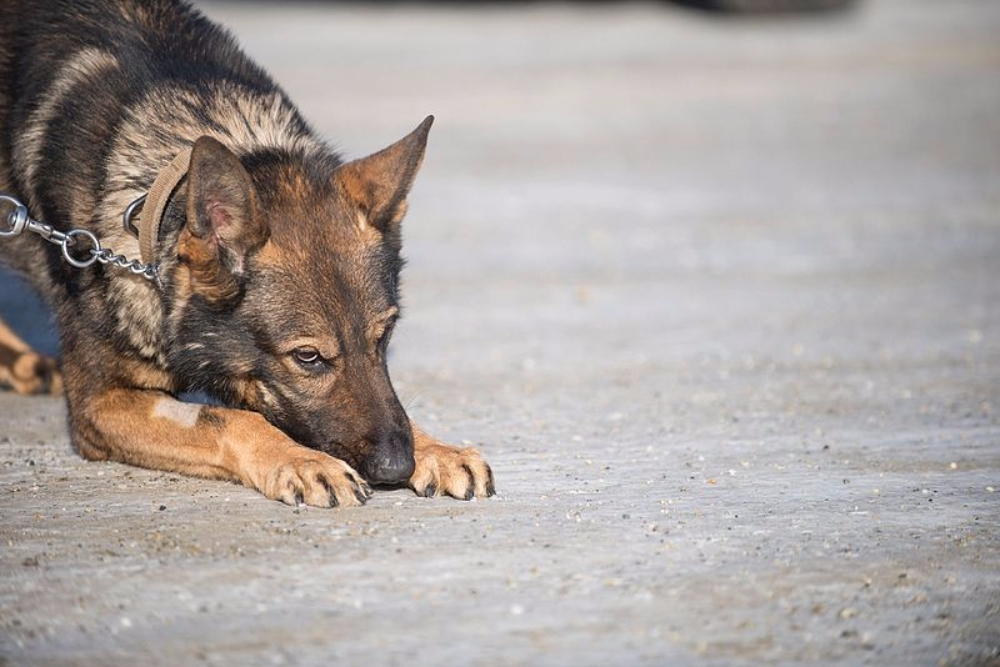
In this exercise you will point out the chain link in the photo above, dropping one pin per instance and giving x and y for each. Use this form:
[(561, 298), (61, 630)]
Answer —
[(80, 247)]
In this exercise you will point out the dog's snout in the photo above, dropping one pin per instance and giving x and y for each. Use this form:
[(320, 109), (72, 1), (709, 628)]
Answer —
[(391, 460)]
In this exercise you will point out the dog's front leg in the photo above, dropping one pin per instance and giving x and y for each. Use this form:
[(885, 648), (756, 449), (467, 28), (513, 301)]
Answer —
[(153, 430), (443, 469)]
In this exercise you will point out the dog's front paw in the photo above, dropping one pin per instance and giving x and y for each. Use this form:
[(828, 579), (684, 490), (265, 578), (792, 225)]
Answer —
[(445, 470), (314, 478)]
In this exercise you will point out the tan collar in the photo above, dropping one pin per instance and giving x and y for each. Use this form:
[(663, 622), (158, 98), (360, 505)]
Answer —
[(156, 203)]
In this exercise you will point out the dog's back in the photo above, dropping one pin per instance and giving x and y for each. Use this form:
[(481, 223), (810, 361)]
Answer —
[(97, 96), (82, 68)]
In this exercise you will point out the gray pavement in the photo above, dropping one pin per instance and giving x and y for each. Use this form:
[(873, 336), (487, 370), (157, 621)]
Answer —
[(720, 302)]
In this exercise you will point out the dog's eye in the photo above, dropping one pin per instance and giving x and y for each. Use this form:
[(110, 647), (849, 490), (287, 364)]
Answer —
[(308, 357)]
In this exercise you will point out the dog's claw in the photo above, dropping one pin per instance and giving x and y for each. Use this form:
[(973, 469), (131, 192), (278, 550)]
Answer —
[(309, 477), (471, 491), (490, 486)]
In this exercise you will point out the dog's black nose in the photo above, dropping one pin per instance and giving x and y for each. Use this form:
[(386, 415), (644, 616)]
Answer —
[(391, 461)]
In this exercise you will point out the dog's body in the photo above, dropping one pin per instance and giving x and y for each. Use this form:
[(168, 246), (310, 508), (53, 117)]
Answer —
[(278, 262)]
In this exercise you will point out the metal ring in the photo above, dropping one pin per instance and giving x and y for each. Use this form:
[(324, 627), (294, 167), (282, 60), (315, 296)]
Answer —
[(16, 219), (130, 212), (71, 239)]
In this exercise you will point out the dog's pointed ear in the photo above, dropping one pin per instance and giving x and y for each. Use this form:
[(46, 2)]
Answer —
[(378, 184), (223, 223)]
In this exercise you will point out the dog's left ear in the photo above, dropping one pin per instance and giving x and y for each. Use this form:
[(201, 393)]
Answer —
[(223, 224), (378, 184)]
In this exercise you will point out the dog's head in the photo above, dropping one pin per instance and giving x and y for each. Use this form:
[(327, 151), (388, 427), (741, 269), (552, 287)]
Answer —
[(285, 294)]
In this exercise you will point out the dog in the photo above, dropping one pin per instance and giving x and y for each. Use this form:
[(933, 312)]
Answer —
[(273, 286)]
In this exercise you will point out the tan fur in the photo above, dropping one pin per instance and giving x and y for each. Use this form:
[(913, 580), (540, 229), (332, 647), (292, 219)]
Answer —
[(446, 470), (231, 444)]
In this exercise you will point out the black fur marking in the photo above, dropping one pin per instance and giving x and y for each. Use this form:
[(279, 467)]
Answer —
[(471, 491), (209, 417), (325, 483), (490, 487)]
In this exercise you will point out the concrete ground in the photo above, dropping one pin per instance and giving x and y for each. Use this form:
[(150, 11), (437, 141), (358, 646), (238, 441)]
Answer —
[(718, 299)]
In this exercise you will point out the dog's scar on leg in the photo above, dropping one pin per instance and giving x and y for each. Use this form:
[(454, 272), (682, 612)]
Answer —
[(185, 414)]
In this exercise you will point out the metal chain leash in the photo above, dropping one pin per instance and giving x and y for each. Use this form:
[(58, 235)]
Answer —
[(80, 247)]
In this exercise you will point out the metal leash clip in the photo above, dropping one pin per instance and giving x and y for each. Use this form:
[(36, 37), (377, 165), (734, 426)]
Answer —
[(18, 221)]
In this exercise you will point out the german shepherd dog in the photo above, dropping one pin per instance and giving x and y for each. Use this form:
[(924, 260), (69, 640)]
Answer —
[(278, 262)]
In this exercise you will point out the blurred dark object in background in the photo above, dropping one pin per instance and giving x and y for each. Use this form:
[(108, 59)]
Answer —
[(759, 6)]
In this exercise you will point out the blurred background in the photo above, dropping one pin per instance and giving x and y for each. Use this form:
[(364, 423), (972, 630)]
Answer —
[(665, 178)]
